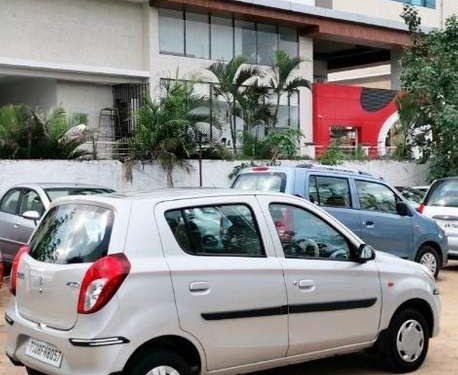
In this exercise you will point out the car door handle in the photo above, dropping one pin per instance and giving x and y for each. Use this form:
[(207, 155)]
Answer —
[(369, 224), (199, 287), (306, 285)]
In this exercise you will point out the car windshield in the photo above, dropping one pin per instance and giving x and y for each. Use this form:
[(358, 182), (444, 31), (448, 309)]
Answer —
[(54, 193), (271, 181), (443, 193), (72, 234)]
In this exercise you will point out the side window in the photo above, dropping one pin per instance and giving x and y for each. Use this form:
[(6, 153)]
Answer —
[(304, 235), (330, 191), (376, 197), (10, 201), (31, 202), (225, 230)]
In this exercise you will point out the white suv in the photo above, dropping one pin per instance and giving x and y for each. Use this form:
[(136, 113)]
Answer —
[(180, 282)]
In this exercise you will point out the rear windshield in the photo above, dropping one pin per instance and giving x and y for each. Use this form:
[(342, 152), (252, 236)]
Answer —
[(443, 193), (71, 234), (54, 193), (271, 181)]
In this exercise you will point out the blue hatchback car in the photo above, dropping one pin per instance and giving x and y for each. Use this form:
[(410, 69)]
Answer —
[(372, 209)]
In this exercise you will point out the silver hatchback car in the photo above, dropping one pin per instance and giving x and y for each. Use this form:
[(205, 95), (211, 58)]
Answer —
[(23, 205), (181, 282)]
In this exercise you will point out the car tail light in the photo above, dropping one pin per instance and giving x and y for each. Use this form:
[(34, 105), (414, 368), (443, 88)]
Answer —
[(260, 169), (15, 266), (421, 208), (101, 281)]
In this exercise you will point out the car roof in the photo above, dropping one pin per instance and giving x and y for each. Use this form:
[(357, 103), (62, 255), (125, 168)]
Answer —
[(315, 169), (57, 185)]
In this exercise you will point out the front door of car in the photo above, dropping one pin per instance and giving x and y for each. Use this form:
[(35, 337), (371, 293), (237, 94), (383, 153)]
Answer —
[(333, 301), (30, 201), (228, 282), (9, 224), (383, 227)]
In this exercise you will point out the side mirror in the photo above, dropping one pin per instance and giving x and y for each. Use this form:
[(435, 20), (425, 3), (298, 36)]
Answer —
[(365, 253), (31, 215), (403, 209)]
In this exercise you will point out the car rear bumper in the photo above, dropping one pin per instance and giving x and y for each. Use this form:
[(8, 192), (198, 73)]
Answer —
[(76, 359)]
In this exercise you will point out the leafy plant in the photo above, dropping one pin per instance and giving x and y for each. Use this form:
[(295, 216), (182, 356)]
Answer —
[(166, 128), (429, 77), (332, 156)]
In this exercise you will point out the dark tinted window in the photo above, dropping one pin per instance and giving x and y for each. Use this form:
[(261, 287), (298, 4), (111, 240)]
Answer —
[(304, 235), (329, 191), (31, 202), (228, 230), (10, 202), (275, 182), (443, 193), (54, 193), (73, 234), (376, 197)]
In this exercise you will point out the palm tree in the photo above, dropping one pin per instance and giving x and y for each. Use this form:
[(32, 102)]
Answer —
[(165, 131), (282, 79), (232, 79)]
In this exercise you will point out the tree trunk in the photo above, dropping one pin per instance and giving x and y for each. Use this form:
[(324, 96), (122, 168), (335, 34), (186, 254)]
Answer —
[(233, 126), (170, 176), (277, 109)]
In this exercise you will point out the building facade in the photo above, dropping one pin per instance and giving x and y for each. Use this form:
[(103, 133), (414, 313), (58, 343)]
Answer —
[(98, 58)]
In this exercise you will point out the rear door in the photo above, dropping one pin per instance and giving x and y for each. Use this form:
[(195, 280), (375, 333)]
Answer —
[(383, 227), (9, 224), (228, 283), (334, 195), (68, 240)]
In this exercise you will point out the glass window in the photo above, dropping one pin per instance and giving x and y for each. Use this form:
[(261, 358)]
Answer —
[(304, 235), (245, 40), (197, 35), (272, 181), (31, 202), (222, 38), (226, 230), (422, 3), (72, 234), (288, 41), (376, 197), (10, 201), (171, 31), (267, 43), (443, 194), (329, 191)]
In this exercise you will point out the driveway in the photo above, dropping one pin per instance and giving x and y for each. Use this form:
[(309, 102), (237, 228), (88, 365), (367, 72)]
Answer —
[(442, 358)]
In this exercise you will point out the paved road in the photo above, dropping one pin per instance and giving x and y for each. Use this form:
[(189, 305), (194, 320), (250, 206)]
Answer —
[(442, 358)]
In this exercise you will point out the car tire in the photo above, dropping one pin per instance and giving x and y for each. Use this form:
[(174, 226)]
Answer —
[(429, 257), (403, 346), (33, 372), (165, 361)]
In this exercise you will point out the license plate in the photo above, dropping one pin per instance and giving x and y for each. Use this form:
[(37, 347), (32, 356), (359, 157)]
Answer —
[(449, 227), (44, 352)]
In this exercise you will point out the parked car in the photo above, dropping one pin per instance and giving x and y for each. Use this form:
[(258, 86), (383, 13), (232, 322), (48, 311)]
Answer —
[(23, 205), (276, 264), (412, 195), (367, 205), (441, 204), (2, 269)]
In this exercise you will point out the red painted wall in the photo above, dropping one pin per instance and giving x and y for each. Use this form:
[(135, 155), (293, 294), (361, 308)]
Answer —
[(341, 106)]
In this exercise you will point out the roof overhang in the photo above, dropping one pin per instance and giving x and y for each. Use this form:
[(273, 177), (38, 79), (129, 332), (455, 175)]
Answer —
[(317, 22)]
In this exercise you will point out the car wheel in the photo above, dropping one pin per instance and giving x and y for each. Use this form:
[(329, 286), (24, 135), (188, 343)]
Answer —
[(428, 256), (161, 362), (403, 346)]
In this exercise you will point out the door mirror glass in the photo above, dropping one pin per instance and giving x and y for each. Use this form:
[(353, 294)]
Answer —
[(402, 209), (31, 215), (365, 253)]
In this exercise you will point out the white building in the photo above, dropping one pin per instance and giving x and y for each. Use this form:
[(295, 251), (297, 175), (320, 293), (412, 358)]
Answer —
[(87, 55)]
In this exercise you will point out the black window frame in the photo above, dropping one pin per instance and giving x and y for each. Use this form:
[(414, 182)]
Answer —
[(222, 255), (316, 176), (18, 203), (351, 246)]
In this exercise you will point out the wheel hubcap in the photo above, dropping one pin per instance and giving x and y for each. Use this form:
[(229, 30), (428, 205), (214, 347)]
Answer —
[(163, 370), (410, 341), (429, 260)]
